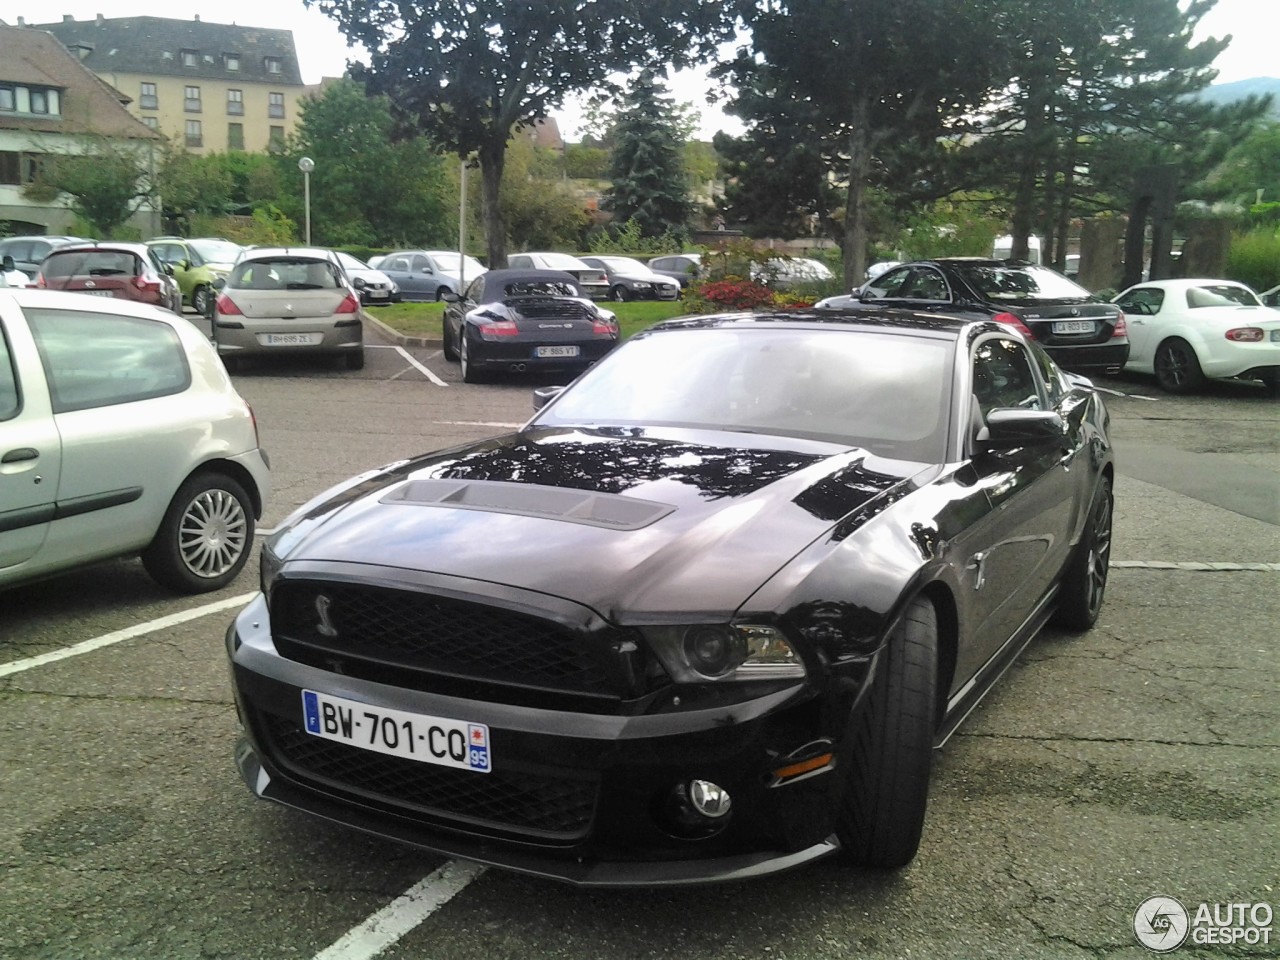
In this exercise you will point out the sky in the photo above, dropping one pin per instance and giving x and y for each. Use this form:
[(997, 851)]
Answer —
[(323, 51)]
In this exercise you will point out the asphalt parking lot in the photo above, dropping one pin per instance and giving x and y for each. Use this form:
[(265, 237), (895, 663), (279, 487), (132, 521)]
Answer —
[(1139, 759)]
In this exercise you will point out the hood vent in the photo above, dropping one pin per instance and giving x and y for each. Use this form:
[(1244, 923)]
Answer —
[(609, 510)]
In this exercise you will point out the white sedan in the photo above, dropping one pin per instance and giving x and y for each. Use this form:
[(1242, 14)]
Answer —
[(1185, 331), (121, 434)]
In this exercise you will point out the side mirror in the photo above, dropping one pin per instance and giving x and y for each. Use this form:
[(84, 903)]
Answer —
[(7, 264), (168, 268), (183, 264), (449, 296), (544, 395), (1009, 427)]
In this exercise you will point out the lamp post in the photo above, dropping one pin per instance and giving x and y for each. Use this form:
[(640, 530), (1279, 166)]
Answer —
[(306, 165)]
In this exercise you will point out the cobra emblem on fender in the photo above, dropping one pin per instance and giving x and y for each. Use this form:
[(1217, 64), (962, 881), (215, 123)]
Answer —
[(325, 627)]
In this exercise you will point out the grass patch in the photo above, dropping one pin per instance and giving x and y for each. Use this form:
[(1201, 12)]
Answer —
[(423, 319)]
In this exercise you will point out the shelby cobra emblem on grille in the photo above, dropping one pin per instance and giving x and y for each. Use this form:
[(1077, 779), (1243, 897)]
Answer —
[(325, 627)]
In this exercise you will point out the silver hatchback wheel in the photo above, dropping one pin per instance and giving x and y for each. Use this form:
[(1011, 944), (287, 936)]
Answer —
[(204, 539), (212, 533)]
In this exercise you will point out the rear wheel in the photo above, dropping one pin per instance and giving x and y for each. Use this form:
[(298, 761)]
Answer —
[(1177, 366), (205, 536), (1085, 581), (355, 359), (1271, 380), (470, 374), (886, 787)]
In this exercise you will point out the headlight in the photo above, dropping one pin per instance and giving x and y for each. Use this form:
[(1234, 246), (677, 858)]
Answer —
[(641, 285), (743, 651)]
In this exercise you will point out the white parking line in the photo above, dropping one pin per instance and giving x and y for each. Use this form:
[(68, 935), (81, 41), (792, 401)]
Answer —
[(410, 358), (404, 913), (128, 633)]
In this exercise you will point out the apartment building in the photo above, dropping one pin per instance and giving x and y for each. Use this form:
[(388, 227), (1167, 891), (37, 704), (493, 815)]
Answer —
[(50, 104), (212, 87)]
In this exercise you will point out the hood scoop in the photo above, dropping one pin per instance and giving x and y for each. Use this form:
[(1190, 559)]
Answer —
[(609, 510)]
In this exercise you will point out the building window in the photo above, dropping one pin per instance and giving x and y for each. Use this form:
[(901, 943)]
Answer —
[(194, 136), (235, 103), (32, 166), (8, 99), (275, 105), (272, 64), (10, 166), (190, 58), (275, 141), (147, 99), (152, 122), (40, 101), (191, 100), (235, 136), (231, 61)]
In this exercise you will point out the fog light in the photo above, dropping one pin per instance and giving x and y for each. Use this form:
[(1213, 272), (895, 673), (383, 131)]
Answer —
[(709, 799)]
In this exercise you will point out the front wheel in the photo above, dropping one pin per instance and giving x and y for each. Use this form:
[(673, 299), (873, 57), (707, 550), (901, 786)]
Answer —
[(618, 293), (441, 292), (205, 536), (886, 785), (1085, 580), (450, 351), (1177, 366), (201, 300)]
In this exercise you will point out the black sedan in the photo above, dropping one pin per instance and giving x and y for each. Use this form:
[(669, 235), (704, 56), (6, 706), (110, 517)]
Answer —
[(518, 320), (1080, 331), (705, 617)]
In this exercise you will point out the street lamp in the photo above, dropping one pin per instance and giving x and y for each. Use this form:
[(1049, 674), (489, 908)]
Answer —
[(306, 165)]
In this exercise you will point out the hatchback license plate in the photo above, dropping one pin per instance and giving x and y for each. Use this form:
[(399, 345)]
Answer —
[(412, 736), (99, 293), (555, 351), (1073, 326), (290, 339)]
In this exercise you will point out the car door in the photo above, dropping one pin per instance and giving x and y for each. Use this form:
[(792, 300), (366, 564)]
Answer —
[(397, 267), (455, 314), (914, 286), (1142, 308), (1032, 490), (30, 449)]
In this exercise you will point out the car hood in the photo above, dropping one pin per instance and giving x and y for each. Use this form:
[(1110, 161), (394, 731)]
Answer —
[(626, 522)]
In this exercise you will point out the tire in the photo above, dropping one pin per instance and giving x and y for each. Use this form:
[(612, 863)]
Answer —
[(469, 372), (619, 294), (1177, 367), (355, 359), (450, 351), (440, 292), (201, 299), (205, 536), (231, 364), (886, 786), (1084, 584), (1272, 382)]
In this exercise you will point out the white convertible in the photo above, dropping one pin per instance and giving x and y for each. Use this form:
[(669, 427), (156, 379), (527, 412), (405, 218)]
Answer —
[(1185, 331)]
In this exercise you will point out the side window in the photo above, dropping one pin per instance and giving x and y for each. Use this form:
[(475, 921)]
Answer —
[(394, 264), (476, 290), (891, 283), (1145, 302), (9, 404), (422, 264), (925, 283), (100, 360), (519, 262), (661, 263), (1056, 386), (1002, 377)]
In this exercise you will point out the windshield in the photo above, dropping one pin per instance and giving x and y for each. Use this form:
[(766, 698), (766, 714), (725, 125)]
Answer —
[(1028, 283), (216, 251), (623, 264), (887, 393), (351, 263), (449, 262)]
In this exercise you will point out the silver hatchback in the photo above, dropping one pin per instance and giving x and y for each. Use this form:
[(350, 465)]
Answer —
[(121, 434), (287, 300)]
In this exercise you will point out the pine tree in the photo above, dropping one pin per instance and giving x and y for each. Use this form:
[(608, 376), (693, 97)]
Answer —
[(647, 162)]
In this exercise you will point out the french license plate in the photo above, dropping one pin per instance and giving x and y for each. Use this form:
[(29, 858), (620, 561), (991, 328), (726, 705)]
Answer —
[(290, 339), (377, 293), (555, 351), (412, 736), (99, 293), (1073, 326)]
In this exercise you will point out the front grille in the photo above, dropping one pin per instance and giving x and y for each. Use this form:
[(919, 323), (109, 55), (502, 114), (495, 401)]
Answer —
[(369, 628), (549, 808)]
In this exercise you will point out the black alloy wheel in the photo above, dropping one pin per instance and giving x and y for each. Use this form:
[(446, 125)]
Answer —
[(1177, 367), (886, 785), (619, 294), (1085, 582)]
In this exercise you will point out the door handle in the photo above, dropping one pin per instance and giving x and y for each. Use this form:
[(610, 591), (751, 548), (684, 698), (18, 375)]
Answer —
[(20, 454)]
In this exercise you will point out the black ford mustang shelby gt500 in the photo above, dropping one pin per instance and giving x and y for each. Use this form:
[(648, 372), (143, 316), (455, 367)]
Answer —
[(704, 617)]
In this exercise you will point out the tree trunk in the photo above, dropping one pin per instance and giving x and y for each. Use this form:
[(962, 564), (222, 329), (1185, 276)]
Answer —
[(855, 208), (492, 159)]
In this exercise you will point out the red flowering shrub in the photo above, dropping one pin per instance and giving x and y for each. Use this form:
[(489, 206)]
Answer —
[(736, 294)]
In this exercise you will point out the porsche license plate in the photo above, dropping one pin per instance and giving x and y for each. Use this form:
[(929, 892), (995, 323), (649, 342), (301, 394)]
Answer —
[(1073, 326), (555, 351), (413, 736), (290, 339)]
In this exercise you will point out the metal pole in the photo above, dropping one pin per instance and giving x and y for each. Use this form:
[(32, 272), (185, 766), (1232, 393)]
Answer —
[(462, 230), (306, 195)]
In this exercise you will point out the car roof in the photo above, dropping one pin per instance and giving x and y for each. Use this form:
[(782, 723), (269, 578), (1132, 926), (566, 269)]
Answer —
[(523, 274), (1182, 283), (264, 253), (33, 297), (886, 319), (117, 245)]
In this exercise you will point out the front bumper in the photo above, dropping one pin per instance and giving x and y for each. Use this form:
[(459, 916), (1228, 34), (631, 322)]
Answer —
[(576, 797)]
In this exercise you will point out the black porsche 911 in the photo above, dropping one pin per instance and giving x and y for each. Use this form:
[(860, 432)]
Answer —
[(518, 320), (704, 617)]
